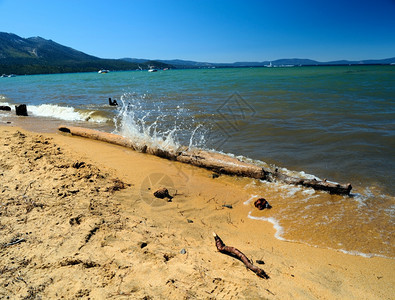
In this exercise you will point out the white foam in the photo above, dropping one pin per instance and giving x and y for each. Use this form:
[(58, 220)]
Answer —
[(292, 190), (63, 113), (300, 174), (276, 225), (308, 192), (357, 253), (3, 103), (249, 200)]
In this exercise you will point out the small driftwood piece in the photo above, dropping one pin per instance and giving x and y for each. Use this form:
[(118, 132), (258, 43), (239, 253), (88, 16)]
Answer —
[(216, 162), (14, 242), (232, 251)]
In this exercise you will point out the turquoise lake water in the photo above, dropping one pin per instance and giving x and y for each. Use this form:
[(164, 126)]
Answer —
[(334, 122)]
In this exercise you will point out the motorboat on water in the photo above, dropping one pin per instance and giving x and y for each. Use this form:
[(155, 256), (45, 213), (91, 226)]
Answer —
[(152, 69), (11, 75), (103, 71)]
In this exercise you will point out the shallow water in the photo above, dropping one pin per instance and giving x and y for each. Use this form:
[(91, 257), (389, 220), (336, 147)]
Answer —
[(333, 122)]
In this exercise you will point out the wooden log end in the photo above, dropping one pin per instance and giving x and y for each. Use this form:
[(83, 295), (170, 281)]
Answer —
[(64, 129)]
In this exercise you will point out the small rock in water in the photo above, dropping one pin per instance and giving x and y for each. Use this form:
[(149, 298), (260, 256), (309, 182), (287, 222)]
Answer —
[(5, 108), (262, 203), (21, 110), (183, 251)]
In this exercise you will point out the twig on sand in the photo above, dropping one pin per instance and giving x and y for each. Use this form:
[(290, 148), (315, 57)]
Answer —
[(14, 242), (232, 251), (270, 292)]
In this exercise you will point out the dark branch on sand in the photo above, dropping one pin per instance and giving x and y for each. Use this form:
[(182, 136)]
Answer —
[(232, 251)]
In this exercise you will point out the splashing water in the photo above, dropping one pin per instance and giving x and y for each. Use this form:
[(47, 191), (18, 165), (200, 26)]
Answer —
[(153, 124)]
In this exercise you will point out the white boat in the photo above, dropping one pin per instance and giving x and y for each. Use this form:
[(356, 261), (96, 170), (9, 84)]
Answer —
[(4, 75), (152, 69), (103, 71)]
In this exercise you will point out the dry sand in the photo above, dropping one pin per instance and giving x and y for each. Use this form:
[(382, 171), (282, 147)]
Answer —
[(78, 220)]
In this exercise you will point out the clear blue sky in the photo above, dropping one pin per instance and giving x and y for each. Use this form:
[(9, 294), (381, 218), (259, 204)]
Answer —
[(210, 30)]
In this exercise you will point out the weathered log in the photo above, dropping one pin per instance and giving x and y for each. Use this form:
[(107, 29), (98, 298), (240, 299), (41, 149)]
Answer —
[(219, 163), (331, 187), (21, 110), (234, 252), (5, 108)]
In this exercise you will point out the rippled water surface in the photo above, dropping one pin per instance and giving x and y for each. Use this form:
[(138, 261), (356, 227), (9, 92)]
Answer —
[(333, 122)]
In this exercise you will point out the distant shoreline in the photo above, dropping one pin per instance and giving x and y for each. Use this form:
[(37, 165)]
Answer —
[(41, 56), (6, 75)]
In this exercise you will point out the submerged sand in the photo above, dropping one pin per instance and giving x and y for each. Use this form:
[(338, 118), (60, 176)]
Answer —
[(78, 219)]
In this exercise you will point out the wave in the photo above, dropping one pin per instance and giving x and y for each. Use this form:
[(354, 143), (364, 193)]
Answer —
[(280, 231), (3, 101), (276, 225), (65, 113)]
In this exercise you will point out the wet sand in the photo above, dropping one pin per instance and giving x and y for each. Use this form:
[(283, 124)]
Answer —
[(78, 219)]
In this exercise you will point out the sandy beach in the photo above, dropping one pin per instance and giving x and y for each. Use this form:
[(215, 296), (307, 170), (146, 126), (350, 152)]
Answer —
[(78, 219)]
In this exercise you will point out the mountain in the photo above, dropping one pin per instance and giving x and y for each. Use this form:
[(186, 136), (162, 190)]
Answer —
[(279, 62), (13, 46), (175, 62), (37, 55)]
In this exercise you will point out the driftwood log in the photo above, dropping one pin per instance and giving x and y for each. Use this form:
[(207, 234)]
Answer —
[(219, 163), (232, 251)]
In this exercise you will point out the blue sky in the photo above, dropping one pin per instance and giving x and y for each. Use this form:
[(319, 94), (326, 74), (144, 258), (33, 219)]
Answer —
[(210, 30)]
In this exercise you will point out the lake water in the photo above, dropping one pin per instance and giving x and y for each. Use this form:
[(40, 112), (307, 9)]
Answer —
[(333, 122)]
